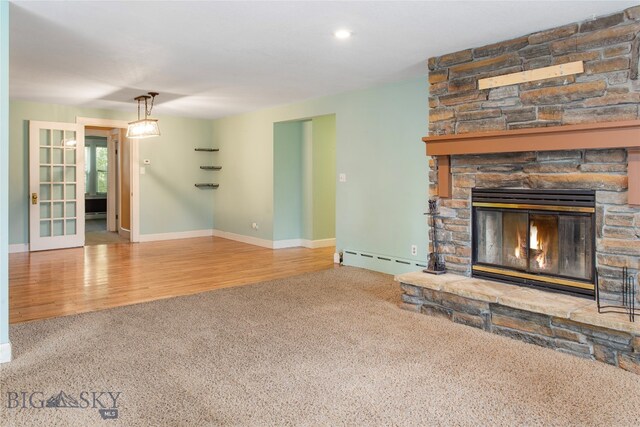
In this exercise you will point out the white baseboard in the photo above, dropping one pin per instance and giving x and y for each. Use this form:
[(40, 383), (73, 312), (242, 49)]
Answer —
[(5, 352), (176, 235), (290, 243), (305, 243), (18, 247), (244, 239), (323, 243), (275, 244)]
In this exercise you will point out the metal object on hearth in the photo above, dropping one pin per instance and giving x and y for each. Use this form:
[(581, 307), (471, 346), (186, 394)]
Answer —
[(436, 262), (628, 291)]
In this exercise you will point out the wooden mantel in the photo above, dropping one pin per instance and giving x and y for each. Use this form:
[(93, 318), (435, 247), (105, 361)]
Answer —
[(623, 134)]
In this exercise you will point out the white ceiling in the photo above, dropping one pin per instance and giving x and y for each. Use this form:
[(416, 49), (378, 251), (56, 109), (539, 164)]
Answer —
[(212, 59)]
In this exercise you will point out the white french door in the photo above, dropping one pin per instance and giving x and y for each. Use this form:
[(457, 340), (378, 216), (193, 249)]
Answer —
[(56, 185)]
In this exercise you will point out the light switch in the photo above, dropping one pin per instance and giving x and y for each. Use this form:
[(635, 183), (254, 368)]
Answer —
[(343, 177), (142, 171)]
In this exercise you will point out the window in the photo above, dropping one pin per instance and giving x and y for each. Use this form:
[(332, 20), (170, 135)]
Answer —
[(96, 166), (101, 170)]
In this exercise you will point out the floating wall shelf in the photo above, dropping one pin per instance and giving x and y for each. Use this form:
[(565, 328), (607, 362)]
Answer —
[(210, 168)]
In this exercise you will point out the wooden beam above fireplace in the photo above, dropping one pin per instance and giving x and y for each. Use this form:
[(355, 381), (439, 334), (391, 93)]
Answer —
[(622, 134)]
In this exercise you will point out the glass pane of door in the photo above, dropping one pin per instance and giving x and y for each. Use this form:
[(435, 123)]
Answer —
[(489, 236), (501, 238), (543, 243), (575, 246)]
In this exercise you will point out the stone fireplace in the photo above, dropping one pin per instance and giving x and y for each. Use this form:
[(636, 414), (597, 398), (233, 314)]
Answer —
[(572, 133), (538, 185)]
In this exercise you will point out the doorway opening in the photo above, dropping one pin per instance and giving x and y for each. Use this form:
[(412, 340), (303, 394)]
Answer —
[(123, 204), (107, 186), (305, 182)]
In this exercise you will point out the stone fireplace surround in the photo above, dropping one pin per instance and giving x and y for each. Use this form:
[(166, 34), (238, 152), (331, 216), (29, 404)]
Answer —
[(478, 138), (605, 171), (566, 323)]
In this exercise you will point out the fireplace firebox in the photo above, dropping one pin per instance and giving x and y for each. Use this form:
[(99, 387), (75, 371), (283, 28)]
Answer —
[(538, 238)]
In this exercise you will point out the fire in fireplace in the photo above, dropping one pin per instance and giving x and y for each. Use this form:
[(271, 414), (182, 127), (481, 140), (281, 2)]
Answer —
[(540, 238)]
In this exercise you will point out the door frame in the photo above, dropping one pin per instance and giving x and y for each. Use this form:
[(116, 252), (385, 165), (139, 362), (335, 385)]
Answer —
[(111, 213), (113, 194), (134, 171), (123, 232)]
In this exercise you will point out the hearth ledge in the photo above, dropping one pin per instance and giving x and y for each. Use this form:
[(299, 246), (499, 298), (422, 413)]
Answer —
[(532, 300)]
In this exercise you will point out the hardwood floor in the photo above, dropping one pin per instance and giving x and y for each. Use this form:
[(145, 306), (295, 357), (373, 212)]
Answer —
[(69, 281)]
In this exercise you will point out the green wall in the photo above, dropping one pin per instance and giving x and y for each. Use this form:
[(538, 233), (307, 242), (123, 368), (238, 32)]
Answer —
[(304, 184), (378, 145), (287, 180), (4, 172), (307, 180), (169, 201), (323, 143)]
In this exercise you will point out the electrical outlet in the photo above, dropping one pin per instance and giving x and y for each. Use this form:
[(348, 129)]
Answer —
[(254, 225), (414, 250)]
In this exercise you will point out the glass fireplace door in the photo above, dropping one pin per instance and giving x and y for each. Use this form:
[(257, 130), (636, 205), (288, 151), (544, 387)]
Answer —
[(502, 238), (550, 244), (543, 243), (540, 238), (576, 252)]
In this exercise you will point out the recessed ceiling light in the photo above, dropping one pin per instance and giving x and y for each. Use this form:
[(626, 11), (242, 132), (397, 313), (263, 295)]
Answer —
[(342, 34)]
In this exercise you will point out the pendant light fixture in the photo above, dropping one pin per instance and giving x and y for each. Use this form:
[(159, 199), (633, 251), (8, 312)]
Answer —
[(144, 128)]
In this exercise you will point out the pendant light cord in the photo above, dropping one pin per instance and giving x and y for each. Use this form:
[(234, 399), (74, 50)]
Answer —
[(147, 107), (148, 112)]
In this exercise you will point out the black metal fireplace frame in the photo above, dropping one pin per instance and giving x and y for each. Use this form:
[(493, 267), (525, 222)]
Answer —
[(577, 203)]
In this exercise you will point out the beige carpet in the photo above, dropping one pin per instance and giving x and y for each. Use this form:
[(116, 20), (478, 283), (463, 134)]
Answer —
[(328, 348)]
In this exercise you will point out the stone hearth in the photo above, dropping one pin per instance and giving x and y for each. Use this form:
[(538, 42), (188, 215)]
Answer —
[(564, 323)]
